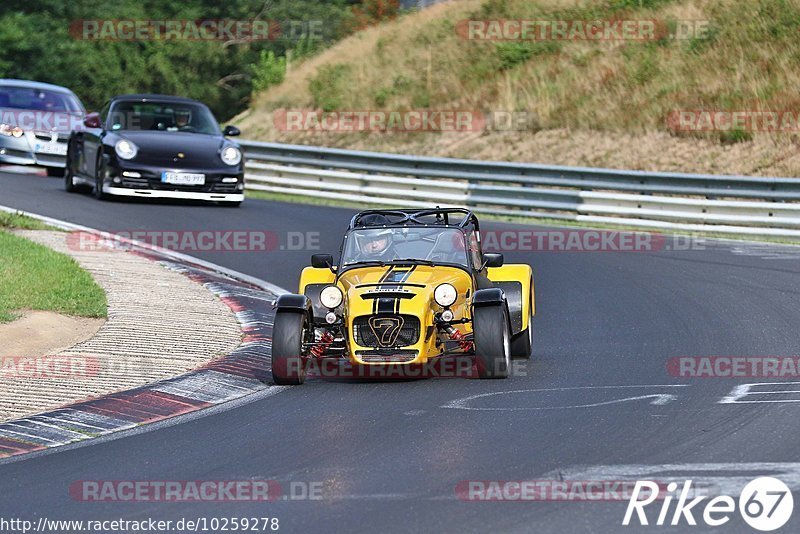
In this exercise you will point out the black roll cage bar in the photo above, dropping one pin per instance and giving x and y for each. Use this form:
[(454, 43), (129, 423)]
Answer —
[(411, 218)]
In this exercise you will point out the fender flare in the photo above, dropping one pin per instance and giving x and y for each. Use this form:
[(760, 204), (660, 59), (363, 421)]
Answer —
[(294, 303), (493, 296)]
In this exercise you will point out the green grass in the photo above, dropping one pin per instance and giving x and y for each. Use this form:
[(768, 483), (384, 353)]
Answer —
[(37, 278), (744, 55), (21, 222)]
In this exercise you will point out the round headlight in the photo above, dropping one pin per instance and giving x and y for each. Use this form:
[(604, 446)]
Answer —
[(445, 295), (125, 149), (331, 297), (231, 155), (17, 131)]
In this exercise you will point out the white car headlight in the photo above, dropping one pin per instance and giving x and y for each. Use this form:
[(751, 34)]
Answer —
[(445, 295), (331, 297), (125, 149), (231, 155), (11, 131)]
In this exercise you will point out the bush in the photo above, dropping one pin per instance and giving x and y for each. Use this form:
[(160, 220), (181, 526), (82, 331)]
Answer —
[(512, 54), (328, 86), (270, 70)]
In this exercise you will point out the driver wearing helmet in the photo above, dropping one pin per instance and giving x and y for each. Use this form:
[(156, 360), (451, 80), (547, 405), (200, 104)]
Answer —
[(182, 119), (375, 244)]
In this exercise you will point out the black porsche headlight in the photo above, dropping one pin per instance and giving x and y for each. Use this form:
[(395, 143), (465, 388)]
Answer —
[(125, 149), (231, 155)]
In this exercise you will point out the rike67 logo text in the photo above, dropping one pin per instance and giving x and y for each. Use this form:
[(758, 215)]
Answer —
[(765, 504)]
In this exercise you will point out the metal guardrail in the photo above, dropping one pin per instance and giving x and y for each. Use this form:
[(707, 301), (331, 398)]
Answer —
[(757, 206)]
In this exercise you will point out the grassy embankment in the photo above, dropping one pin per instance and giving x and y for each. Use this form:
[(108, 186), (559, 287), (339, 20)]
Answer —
[(592, 103), (34, 277)]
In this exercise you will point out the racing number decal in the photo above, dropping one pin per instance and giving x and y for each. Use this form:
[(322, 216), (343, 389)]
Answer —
[(386, 329)]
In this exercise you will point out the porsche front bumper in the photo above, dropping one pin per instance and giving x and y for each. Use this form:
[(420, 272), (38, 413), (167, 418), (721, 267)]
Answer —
[(188, 195)]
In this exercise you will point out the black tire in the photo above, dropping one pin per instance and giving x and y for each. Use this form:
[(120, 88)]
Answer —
[(55, 172), (99, 171), (522, 343), (288, 363), (69, 181), (492, 337)]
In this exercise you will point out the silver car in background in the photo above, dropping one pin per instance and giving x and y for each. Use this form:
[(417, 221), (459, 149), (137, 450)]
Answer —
[(35, 123)]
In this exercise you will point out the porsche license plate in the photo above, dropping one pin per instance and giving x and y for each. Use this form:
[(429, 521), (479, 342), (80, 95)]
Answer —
[(183, 178)]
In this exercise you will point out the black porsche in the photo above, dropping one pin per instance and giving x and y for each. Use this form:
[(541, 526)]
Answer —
[(156, 146)]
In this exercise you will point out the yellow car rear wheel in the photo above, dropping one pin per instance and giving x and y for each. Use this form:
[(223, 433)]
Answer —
[(522, 343)]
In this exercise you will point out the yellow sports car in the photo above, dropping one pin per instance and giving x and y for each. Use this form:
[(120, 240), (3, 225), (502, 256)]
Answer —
[(410, 286)]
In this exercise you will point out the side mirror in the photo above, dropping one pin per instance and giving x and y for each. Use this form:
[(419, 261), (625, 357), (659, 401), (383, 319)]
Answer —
[(92, 120), (231, 131), (493, 260), (322, 261)]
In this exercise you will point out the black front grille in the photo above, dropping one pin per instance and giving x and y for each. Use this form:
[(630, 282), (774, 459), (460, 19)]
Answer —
[(139, 183), (47, 136), (224, 188), (383, 333)]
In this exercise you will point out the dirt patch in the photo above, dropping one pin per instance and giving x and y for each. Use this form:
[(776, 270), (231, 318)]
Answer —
[(38, 333)]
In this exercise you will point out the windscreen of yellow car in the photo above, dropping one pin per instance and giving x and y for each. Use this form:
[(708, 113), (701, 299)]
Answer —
[(437, 245)]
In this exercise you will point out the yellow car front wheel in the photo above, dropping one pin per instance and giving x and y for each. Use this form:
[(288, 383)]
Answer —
[(288, 362), (492, 337)]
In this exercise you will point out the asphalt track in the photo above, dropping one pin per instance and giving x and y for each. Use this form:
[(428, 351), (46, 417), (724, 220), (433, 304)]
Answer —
[(390, 455)]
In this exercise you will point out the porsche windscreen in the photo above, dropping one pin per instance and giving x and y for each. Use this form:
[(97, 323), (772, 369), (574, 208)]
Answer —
[(163, 116), (436, 245)]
